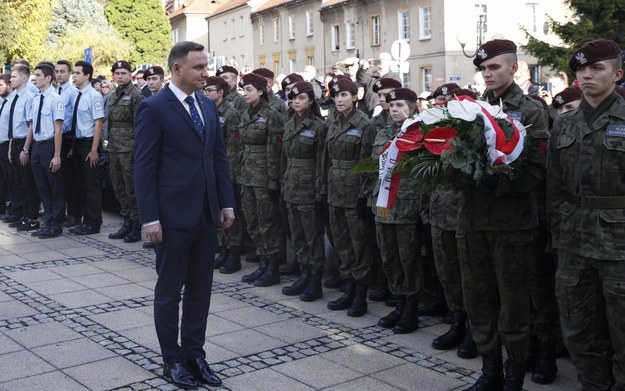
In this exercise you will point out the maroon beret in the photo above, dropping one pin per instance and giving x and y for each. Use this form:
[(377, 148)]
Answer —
[(216, 81), (121, 65), (567, 95), (385, 83), (291, 79), (152, 71), (594, 51), (257, 81), (461, 92), (402, 94), (492, 49), (344, 84), (226, 69), (264, 72), (444, 90), (335, 79), (301, 87)]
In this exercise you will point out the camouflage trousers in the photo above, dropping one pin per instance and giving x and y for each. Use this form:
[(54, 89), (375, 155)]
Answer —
[(494, 272), (306, 235), (445, 251), (351, 244), (121, 166), (591, 294), (263, 222), (401, 258)]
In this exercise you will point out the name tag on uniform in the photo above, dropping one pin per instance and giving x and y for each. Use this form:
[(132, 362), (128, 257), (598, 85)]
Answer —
[(355, 132), (308, 133), (616, 131), (261, 120), (222, 119), (517, 115), (126, 97)]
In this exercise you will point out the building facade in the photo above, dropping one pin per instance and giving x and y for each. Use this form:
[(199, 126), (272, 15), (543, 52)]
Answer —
[(187, 20)]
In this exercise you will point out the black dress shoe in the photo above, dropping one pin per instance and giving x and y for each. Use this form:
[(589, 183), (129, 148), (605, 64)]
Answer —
[(71, 221), (50, 232), (39, 231), (17, 223), (202, 372), (85, 229), (11, 218), (148, 244), (178, 374)]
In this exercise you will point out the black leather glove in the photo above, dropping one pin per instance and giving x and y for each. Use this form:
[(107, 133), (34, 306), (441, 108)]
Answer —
[(274, 195), (362, 209), (321, 208)]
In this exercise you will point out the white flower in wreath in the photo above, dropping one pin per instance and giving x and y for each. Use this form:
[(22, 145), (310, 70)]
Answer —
[(432, 116), (581, 58)]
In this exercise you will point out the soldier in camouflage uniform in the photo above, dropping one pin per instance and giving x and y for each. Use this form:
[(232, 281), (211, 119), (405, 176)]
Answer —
[(586, 205), (350, 140), (302, 149), (231, 76), (122, 108), (261, 138), (497, 229), (396, 227), (217, 89)]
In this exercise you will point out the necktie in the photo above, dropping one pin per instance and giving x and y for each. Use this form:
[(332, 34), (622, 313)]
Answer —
[(12, 110), (2, 108), (75, 115), (60, 88), (38, 125), (195, 116)]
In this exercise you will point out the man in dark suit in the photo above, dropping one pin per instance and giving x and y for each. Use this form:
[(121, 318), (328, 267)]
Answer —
[(184, 192)]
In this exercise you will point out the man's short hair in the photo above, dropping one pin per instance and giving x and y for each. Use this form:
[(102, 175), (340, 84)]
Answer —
[(180, 51), (87, 69), (66, 63), (46, 69), (20, 61), (6, 77), (24, 70)]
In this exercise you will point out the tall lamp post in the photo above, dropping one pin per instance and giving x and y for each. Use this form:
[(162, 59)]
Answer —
[(479, 38)]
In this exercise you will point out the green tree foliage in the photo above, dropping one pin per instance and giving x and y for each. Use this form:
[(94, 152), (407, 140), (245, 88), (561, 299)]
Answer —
[(8, 32), (32, 18), (592, 19), (69, 15), (145, 24)]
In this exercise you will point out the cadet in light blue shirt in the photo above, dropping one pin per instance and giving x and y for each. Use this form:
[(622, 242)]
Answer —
[(45, 133)]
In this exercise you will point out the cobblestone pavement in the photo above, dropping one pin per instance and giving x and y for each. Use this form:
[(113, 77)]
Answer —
[(76, 314)]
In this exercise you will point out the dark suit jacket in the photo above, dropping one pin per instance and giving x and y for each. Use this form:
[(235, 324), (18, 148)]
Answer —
[(174, 171)]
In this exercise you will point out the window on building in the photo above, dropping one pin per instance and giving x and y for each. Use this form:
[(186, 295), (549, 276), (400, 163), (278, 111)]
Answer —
[(350, 29), (175, 36), (336, 45), (241, 28), (532, 21), (276, 66), (309, 24), (404, 24), (310, 60), (405, 80), (261, 33), (482, 9), (225, 30), (425, 22), (233, 28), (375, 30), (291, 27), (276, 29), (292, 65), (426, 79)]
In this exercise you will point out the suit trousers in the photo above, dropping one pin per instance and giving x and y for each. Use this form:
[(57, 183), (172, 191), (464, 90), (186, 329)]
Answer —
[(49, 184), (25, 193), (87, 192), (184, 260), (6, 177)]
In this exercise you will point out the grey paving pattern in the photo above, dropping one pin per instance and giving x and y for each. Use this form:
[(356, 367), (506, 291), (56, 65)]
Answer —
[(76, 314)]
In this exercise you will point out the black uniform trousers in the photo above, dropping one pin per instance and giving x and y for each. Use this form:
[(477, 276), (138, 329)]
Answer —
[(49, 184), (86, 191), (184, 259), (6, 179), (70, 175), (26, 195)]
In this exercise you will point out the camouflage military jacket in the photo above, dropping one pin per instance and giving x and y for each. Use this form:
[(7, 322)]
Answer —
[(122, 108), (586, 183), (302, 151), (278, 105), (347, 144), (444, 209), (239, 103), (229, 121), (261, 145), (406, 208), (502, 203), (382, 120)]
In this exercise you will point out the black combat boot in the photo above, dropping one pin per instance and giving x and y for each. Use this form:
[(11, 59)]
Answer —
[(436, 308), (299, 285), (333, 282), (359, 305), (271, 276), (515, 374), (467, 348), (135, 232), (532, 352), (313, 290), (546, 369), (221, 259), (392, 318), (454, 337), (290, 269), (233, 263), (262, 266), (254, 258), (409, 320), (492, 375), (343, 302), (381, 294), (123, 231)]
